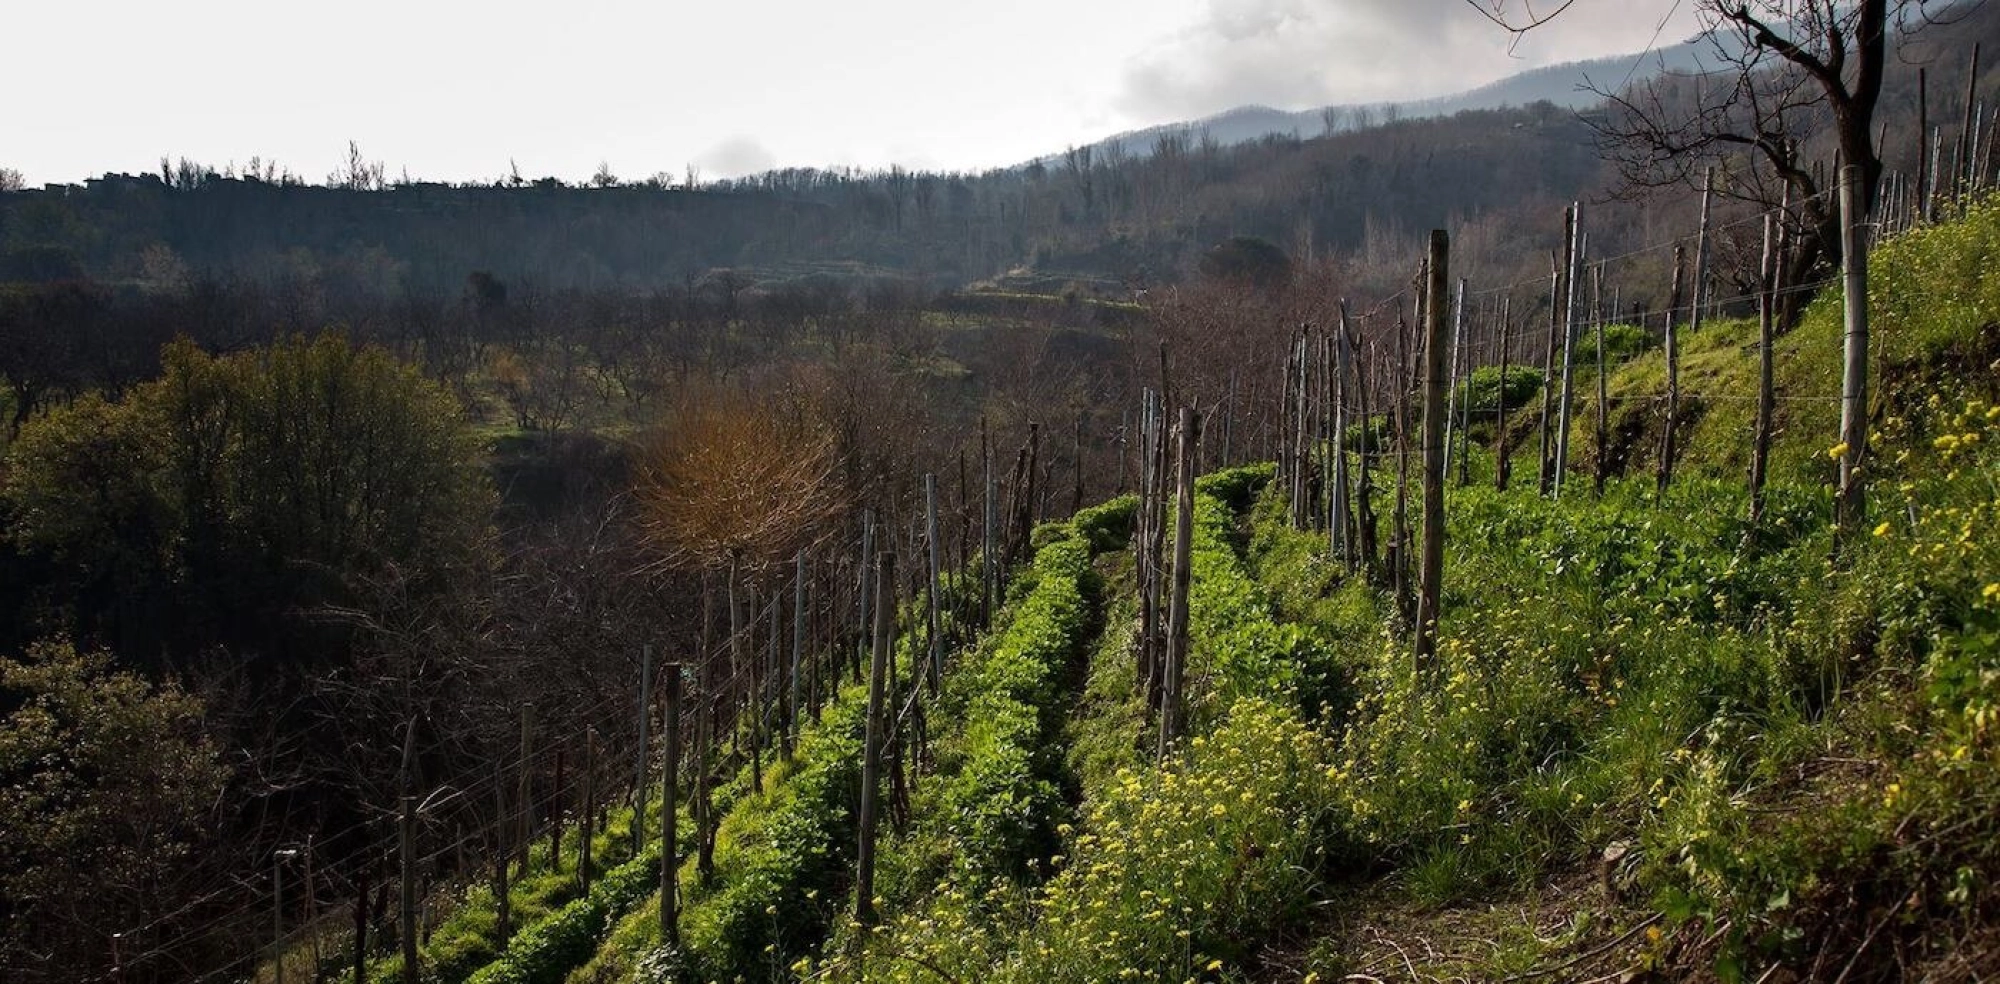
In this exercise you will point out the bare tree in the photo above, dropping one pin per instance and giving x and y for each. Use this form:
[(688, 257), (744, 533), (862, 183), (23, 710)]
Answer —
[(11, 179), (357, 173), (1792, 81)]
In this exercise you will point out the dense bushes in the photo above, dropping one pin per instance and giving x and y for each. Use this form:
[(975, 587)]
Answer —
[(1236, 487), (990, 814), (1171, 866), (998, 795), (1481, 391), (781, 857), (1621, 343), (1236, 649)]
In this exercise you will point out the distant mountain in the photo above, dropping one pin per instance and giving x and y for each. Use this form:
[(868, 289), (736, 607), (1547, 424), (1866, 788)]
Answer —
[(1568, 85)]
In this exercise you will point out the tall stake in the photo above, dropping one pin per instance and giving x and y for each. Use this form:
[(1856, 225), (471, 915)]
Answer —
[(936, 668), (1399, 545), (502, 907), (670, 799), (1343, 359), (406, 851), (1501, 465), (988, 571), (527, 778), (1854, 354), (1925, 163), (1760, 446), (645, 744), (1545, 448), (1962, 166), (1431, 576), (1673, 373), (555, 812), (704, 806), (1457, 350), (1229, 425), (1076, 459), (1031, 502), (1177, 618), (586, 828), (1574, 266), (1698, 288), (864, 613), (1462, 377), (798, 651), (1364, 486), (1287, 468), (1603, 394), (873, 736)]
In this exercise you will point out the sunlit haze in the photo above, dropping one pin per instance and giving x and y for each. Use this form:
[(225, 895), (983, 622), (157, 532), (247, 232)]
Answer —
[(453, 90)]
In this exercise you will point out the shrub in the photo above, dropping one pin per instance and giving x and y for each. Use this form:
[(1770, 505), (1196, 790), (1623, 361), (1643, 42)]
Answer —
[(1236, 487), (1621, 344), (1481, 391)]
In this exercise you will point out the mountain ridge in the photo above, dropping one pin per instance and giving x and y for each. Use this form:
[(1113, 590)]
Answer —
[(1568, 85)]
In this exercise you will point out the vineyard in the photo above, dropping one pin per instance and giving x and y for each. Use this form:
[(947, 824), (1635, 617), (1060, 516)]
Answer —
[(1401, 610), (1666, 721)]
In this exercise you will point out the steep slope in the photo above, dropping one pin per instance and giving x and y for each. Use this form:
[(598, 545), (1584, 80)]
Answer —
[(1656, 739)]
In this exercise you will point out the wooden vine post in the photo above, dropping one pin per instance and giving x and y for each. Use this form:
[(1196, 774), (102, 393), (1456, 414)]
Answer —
[(1342, 541), (1698, 281), (1463, 378), (1431, 574), (1544, 449), (798, 651), (670, 798), (583, 871), (1456, 355), (1760, 445), (1673, 354), (1572, 266), (1502, 467), (1076, 459), (1407, 370), (1171, 708), (989, 571), (1364, 483), (704, 805), (406, 850), (864, 613), (1600, 465), (502, 901), (555, 812), (874, 735), (526, 805), (645, 742), (935, 663)]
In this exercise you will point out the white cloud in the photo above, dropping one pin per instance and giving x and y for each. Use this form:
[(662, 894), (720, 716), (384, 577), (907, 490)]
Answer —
[(1296, 54)]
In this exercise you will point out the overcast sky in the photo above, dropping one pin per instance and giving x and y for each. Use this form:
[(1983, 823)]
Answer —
[(455, 90)]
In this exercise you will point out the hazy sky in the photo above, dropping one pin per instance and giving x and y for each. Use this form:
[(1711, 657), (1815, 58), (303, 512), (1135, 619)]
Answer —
[(454, 90)]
